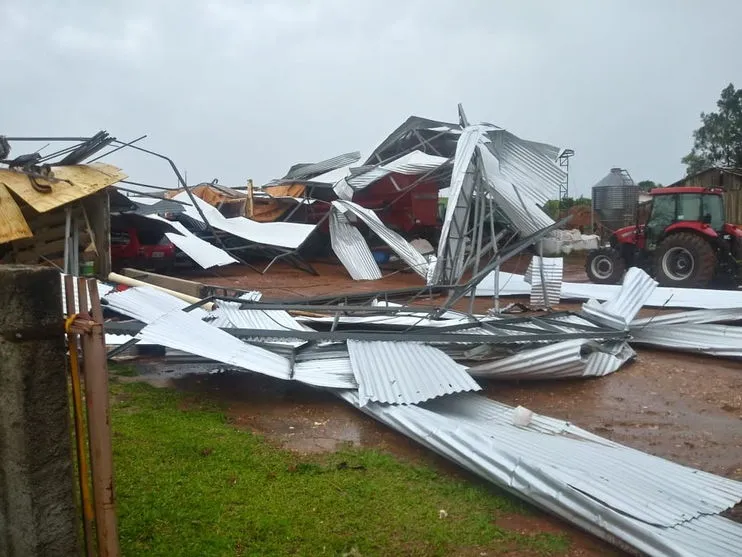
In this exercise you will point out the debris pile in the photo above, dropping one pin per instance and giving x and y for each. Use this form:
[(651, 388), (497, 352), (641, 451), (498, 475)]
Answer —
[(414, 369)]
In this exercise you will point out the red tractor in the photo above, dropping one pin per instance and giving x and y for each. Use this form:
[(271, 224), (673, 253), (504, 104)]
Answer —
[(682, 240)]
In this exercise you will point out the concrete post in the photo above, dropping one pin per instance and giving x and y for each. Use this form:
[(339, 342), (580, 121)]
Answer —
[(38, 515)]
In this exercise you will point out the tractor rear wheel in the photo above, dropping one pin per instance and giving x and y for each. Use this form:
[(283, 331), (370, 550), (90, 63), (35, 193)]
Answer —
[(605, 266), (684, 260)]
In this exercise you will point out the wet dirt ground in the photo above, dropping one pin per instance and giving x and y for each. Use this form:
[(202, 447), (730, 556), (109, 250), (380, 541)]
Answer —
[(682, 407)]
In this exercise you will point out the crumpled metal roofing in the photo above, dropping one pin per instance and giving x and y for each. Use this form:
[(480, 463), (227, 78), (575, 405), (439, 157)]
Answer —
[(411, 164), (351, 248), (458, 208), (151, 205), (553, 268), (519, 207), (146, 304), (528, 165), (714, 340), (281, 234), (399, 245), (312, 170), (698, 317), (652, 505), (205, 254), (511, 284), (183, 331), (202, 252), (405, 372), (618, 311), (566, 359), (266, 320), (325, 367)]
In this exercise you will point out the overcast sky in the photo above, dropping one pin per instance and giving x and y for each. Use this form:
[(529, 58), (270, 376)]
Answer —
[(236, 90)]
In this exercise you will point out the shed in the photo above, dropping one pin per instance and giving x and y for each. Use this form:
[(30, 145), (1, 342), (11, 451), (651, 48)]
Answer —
[(73, 216), (728, 179)]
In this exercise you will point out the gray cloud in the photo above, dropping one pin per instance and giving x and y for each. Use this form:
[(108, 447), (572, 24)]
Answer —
[(244, 89)]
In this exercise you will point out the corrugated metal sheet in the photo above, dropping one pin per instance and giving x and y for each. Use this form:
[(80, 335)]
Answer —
[(567, 359), (146, 304), (457, 210), (351, 249), (514, 202), (552, 275), (308, 171), (266, 320), (620, 494), (405, 372), (283, 234), (399, 245), (697, 317), (515, 285), (621, 309), (182, 331), (714, 340), (202, 252), (527, 165), (609, 357), (332, 374), (411, 164)]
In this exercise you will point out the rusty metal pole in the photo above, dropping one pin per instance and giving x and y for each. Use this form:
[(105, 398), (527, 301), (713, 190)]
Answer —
[(99, 422)]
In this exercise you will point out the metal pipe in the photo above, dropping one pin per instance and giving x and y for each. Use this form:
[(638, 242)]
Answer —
[(129, 144), (432, 335), (88, 516), (78, 139)]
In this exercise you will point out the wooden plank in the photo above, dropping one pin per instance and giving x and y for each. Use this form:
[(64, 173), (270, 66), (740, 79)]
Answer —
[(45, 249), (38, 221), (191, 288), (12, 224), (98, 209), (72, 183)]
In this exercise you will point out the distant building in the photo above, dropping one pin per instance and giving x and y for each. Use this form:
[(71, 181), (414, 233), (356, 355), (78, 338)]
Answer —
[(728, 179)]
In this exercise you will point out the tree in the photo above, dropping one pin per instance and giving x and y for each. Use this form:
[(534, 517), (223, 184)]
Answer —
[(646, 185), (718, 142), (553, 207)]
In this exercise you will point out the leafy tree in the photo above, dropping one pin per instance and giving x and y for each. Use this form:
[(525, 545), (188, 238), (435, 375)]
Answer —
[(553, 206), (646, 185), (718, 142)]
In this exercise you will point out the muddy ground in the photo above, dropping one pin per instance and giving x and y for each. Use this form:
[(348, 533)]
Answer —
[(681, 407)]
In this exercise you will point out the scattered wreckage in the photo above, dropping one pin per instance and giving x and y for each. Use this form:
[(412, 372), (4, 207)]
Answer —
[(369, 353)]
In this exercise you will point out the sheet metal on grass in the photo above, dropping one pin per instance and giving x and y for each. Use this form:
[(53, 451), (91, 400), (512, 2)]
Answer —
[(622, 495)]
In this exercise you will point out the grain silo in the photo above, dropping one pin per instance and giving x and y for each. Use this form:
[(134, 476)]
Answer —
[(615, 199)]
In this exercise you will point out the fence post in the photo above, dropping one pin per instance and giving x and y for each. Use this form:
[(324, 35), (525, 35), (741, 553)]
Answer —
[(38, 515)]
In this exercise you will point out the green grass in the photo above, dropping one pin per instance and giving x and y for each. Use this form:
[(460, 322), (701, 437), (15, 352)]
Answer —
[(190, 484)]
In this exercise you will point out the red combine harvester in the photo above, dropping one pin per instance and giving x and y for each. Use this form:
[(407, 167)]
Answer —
[(683, 242)]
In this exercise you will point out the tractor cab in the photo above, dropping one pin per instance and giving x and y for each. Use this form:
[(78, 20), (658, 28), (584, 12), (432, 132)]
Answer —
[(675, 208), (681, 238)]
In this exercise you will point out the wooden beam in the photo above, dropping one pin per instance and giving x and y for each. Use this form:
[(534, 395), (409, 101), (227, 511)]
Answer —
[(188, 287)]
